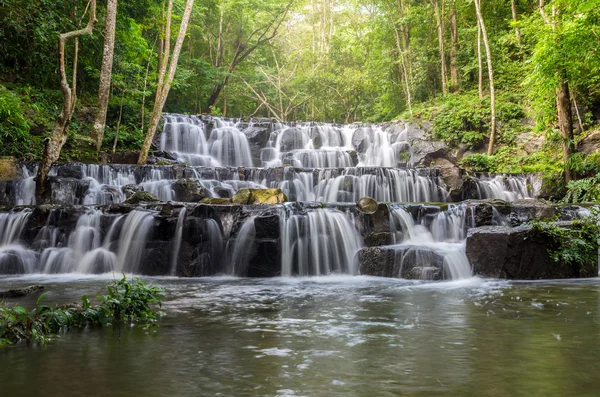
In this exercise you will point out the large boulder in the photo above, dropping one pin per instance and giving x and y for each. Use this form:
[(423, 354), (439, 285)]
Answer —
[(367, 204), (259, 196), (189, 190), (515, 253), (452, 175)]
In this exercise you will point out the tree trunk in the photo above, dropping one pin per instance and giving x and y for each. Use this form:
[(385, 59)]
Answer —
[(488, 54), (58, 137), (162, 91), (453, 49), (439, 18), (513, 7), (565, 122), (401, 47), (105, 72), (479, 61)]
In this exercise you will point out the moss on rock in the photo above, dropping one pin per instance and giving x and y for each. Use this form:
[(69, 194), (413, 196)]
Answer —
[(216, 200), (140, 197), (259, 196), (9, 169)]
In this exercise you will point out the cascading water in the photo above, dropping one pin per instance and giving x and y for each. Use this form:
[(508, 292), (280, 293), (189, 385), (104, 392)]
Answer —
[(319, 242), (504, 187), (423, 252)]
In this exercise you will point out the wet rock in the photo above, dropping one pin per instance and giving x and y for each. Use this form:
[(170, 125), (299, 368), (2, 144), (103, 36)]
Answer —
[(377, 261), (265, 260), (142, 197), (21, 292), (367, 204), (378, 239), (189, 191), (259, 196), (292, 139), (453, 177), (267, 226), (425, 152), (70, 171)]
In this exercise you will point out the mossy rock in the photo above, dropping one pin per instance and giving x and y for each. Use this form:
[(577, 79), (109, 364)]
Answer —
[(367, 204), (259, 196), (216, 200), (141, 197), (9, 169)]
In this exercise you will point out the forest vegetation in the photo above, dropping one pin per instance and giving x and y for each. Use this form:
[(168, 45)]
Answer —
[(488, 76)]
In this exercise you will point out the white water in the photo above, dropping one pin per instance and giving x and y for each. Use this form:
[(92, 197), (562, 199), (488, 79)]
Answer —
[(441, 247), (320, 242), (177, 242), (507, 188)]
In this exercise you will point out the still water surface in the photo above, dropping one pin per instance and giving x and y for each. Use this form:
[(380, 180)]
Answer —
[(346, 336)]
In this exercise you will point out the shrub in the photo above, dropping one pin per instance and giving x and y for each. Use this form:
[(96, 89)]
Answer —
[(583, 190), (126, 302)]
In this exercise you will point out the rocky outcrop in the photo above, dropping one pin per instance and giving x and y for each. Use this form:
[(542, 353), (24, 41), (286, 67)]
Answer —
[(516, 253)]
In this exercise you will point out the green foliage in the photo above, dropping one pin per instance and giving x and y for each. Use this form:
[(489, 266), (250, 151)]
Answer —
[(576, 246), (127, 302), (478, 162), (583, 190), (14, 128)]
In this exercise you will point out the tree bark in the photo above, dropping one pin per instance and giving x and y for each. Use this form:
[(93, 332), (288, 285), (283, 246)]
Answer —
[(105, 72), (488, 54), (162, 91), (479, 61), (454, 48), (565, 122), (439, 18), (58, 137)]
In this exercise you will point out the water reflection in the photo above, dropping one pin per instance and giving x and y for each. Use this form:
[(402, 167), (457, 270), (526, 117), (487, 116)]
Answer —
[(334, 336)]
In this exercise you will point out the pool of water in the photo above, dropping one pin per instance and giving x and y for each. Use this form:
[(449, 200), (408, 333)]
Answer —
[(333, 336)]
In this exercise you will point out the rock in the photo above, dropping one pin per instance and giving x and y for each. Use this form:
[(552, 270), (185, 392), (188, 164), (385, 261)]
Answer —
[(425, 152), (142, 197), (20, 292), (453, 177), (74, 171), (515, 253), (189, 190), (9, 169), (376, 261), (367, 204), (590, 144), (292, 139), (379, 239), (259, 196), (130, 190), (267, 226)]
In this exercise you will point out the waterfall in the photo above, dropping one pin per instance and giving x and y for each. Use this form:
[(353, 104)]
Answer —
[(504, 187), (244, 245), (424, 252), (15, 259), (132, 240), (177, 242), (319, 242)]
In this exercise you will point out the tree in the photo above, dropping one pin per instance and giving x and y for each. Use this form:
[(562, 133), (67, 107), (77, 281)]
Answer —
[(58, 137), (166, 81), (106, 71), (439, 20), (488, 54)]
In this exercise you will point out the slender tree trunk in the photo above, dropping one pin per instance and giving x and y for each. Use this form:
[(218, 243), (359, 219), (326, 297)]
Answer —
[(565, 122), (454, 48), (162, 91), (479, 61), (400, 46), (105, 72), (513, 7), (58, 137), (488, 54), (439, 18), (114, 147)]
